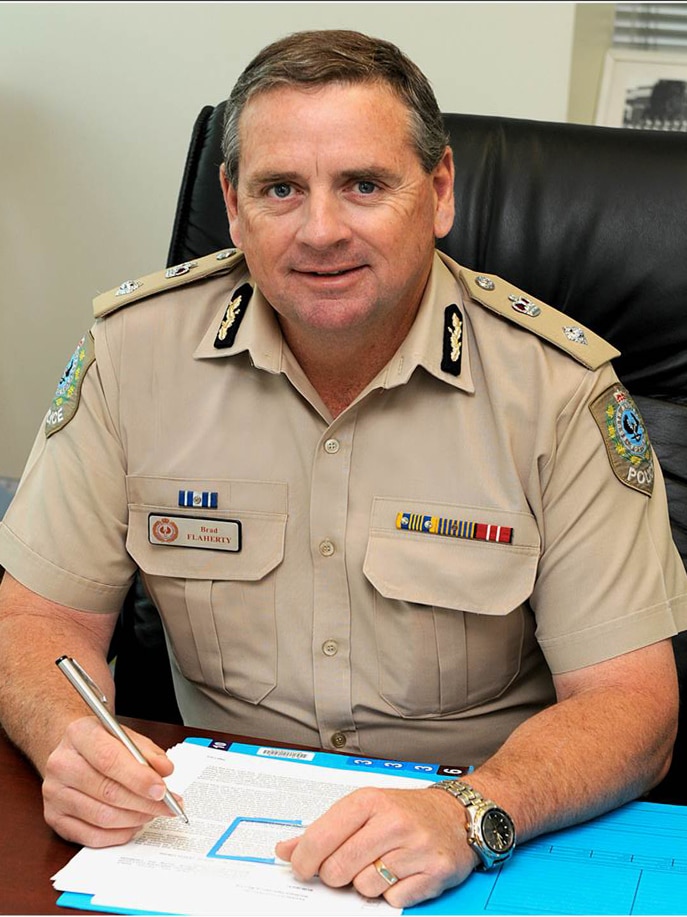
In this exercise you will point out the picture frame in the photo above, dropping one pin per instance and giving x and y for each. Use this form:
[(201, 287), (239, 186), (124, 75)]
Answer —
[(643, 90)]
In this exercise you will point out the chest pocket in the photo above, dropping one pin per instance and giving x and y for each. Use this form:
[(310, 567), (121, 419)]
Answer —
[(451, 619), (218, 607)]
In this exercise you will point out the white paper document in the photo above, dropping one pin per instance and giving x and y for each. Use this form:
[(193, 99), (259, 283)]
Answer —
[(240, 800)]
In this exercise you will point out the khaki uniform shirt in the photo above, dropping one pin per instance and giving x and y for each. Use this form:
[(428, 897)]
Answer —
[(399, 581)]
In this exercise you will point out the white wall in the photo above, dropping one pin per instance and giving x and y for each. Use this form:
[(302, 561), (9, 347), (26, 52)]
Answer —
[(97, 101)]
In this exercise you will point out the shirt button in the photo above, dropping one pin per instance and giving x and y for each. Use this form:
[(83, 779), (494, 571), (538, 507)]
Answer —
[(338, 740), (332, 446), (326, 548), (330, 648)]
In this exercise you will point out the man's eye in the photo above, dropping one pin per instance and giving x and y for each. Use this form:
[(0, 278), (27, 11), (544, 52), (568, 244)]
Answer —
[(281, 190), (366, 187)]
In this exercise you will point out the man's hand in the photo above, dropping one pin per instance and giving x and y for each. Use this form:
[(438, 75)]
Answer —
[(95, 793), (419, 836)]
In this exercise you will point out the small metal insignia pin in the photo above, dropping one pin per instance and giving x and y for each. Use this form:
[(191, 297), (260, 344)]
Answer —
[(129, 286), (525, 306), (227, 253), (575, 334), (485, 283), (180, 269)]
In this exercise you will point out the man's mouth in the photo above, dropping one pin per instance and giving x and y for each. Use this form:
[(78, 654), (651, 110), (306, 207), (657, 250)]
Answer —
[(337, 272)]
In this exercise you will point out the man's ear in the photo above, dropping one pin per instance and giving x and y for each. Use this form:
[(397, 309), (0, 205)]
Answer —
[(442, 177), (231, 206)]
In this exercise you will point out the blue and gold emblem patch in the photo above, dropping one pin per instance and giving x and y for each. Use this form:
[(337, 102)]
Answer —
[(625, 437), (68, 393)]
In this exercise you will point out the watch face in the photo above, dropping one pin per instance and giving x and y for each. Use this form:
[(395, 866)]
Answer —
[(498, 831)]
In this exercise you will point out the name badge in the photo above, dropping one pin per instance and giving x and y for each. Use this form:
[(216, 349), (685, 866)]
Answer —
[(191, 532)]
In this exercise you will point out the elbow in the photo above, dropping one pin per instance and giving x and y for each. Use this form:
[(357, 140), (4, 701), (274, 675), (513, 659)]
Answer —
[(665, 746)]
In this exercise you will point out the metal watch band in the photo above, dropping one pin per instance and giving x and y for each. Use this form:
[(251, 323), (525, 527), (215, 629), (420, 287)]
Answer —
[(463, 792), (486, 823)]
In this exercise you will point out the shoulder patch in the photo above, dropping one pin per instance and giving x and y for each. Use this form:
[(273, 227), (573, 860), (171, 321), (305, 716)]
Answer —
[(555, 327), (625, 438), (68, 393), (135, 290)]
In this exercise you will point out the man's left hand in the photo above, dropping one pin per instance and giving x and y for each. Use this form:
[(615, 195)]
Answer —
[(418, 836)]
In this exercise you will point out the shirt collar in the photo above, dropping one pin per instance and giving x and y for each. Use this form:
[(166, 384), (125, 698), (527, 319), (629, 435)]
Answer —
[(260, 335), (424, 343)]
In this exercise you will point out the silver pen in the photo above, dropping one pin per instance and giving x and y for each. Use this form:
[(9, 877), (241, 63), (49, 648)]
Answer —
[(96, 700)]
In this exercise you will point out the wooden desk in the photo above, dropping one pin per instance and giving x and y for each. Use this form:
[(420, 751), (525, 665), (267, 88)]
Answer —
[(30, 851)]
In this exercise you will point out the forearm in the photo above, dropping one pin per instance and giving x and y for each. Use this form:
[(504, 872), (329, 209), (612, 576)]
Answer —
[(592, 751), (36, 701)]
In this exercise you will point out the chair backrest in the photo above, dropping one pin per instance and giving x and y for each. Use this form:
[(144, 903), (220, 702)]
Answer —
[(591, 220)]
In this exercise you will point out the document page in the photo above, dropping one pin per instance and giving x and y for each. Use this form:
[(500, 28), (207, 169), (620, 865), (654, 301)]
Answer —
[(240, 800)]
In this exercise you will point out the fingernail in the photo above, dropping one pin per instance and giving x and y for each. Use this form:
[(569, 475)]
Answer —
[(156, 792)]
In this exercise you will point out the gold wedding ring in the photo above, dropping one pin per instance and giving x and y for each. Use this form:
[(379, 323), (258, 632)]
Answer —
[(389, 877)]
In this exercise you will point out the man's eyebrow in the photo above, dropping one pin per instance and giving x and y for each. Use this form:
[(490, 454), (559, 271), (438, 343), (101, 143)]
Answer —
[(260, 179), (371, 172)]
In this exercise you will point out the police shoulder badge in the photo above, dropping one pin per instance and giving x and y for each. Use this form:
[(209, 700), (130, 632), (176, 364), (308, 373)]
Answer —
[(625, 437), (68, 393)]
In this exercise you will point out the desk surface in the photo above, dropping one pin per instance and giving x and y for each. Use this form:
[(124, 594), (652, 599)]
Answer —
[(30, 851)]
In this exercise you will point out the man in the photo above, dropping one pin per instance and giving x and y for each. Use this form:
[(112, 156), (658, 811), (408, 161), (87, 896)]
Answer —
[(364, 494)]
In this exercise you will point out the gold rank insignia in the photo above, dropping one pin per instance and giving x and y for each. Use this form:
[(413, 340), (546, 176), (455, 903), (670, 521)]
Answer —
[(68, 394), (625, 438), (452, 353), (233, 316)]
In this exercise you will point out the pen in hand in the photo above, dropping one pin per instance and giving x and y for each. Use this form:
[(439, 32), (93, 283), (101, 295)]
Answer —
[(96, 700)]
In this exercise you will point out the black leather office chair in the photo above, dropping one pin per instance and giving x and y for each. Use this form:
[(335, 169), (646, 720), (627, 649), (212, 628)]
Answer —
[(591, 220)]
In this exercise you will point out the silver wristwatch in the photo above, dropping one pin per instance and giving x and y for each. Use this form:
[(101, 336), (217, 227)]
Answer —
[(491, 832)]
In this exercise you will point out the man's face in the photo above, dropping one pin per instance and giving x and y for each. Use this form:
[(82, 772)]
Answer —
[(335, 214)]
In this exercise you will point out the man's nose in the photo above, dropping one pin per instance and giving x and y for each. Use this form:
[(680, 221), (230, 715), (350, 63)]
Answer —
[(323, 222)]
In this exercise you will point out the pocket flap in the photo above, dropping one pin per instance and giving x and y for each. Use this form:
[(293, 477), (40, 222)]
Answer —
[(464, 573), (258, 507)]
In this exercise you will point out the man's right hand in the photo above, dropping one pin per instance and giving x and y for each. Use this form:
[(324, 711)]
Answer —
[(95, 793)]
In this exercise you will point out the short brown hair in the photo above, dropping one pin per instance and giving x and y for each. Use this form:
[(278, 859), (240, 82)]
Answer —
[(315, 58)]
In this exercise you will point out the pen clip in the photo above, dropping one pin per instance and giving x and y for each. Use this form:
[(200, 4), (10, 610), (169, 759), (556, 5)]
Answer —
[(89, 681)]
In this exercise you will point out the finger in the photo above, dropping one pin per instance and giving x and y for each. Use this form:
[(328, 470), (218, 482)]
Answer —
[(371, 883), (407, 890), (154, 755), (68, 769), (110, 809), (111, 762), (323, 849), (284, 849), (79, 818)]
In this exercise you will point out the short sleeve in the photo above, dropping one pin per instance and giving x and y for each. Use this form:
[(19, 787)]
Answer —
[(64, 534), (610, 578)]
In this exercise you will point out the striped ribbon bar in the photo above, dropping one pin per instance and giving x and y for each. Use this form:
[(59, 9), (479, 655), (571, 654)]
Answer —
[(455, 528), (201, 498)]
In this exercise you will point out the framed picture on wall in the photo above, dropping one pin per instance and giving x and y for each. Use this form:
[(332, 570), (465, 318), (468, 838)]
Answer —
[(645, 90)]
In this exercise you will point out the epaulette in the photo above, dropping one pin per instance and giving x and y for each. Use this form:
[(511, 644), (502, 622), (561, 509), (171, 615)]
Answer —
[(555, 327), (133, 290)]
